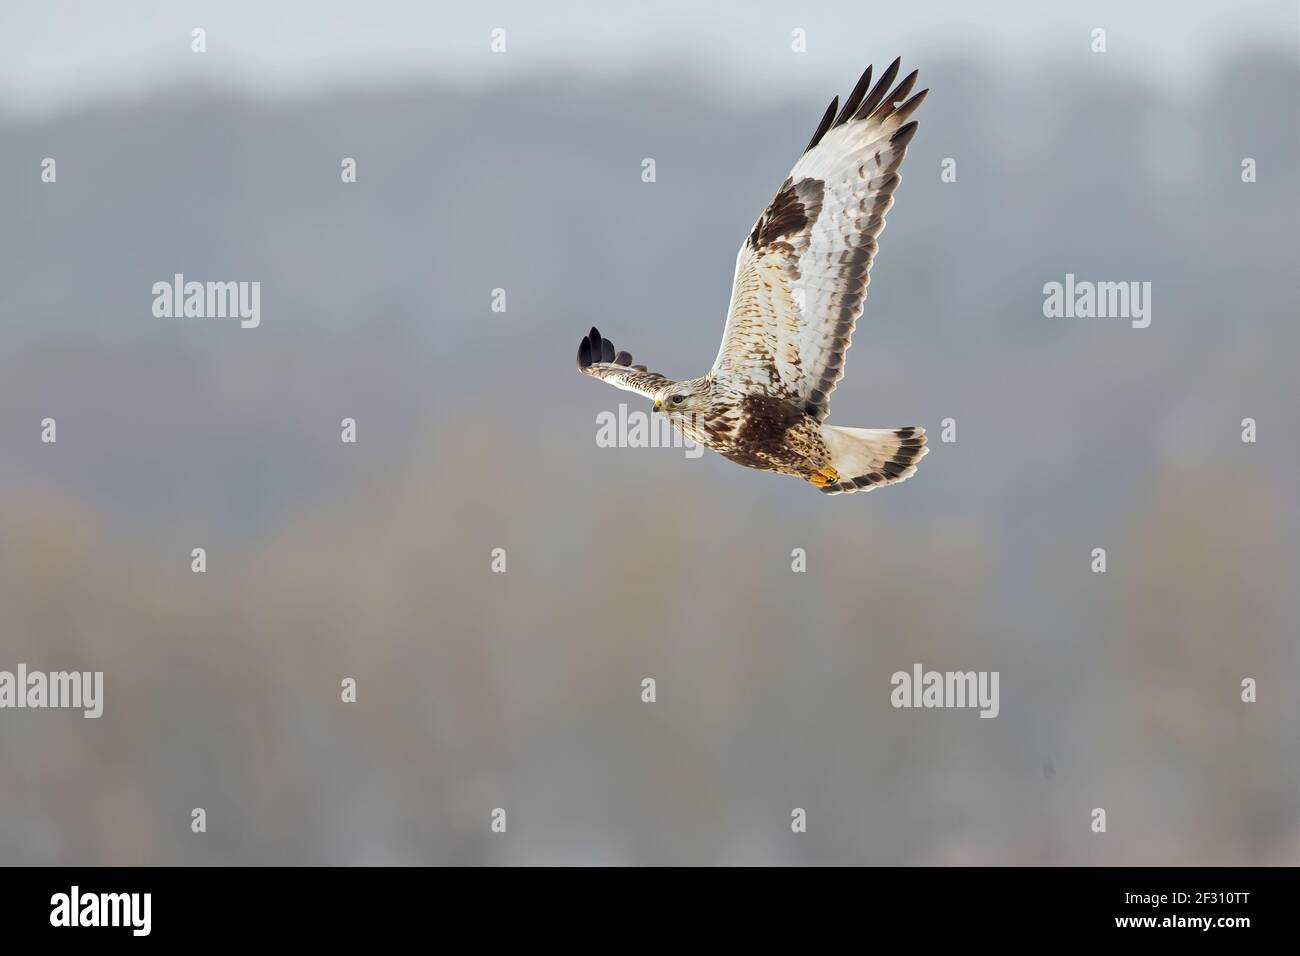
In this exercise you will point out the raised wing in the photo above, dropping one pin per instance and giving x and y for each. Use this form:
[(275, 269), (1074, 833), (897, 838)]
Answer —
[(802, 273), (598, 358)]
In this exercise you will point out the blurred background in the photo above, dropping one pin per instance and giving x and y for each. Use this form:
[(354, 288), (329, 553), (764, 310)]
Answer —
[(522, 171)]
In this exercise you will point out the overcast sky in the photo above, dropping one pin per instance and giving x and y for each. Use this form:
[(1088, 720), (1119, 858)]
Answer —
[(58, 53)]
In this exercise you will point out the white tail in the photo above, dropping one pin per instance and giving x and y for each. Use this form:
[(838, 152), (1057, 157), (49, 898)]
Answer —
[(867, 458)]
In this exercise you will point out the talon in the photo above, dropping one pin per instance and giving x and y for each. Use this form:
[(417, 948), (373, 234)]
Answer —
[(823, 477)]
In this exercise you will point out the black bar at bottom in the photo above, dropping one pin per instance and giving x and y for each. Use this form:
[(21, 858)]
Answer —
[(368, 904)]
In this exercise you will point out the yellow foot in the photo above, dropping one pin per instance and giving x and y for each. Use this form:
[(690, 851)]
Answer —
[(824, 476)]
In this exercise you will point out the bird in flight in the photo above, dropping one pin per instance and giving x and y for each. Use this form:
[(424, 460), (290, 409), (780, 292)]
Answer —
[(801, 278)]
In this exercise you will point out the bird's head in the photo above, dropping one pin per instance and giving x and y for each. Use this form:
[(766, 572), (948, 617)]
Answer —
[(682, 398)]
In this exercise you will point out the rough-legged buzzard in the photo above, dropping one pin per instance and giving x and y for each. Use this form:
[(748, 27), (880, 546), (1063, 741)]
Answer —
[(801, 278)]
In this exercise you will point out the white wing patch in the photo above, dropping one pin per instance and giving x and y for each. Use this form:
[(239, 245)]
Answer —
[(802, 273)]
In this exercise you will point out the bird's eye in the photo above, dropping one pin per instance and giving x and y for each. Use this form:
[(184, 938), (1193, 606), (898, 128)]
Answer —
[(675, 399)]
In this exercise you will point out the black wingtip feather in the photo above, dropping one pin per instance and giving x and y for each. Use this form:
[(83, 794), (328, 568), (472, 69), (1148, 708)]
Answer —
[(878, 91), (908, 108), (824, 125), (904, 134), (595, 348), (903, 88), (851, 104), (861, 104)]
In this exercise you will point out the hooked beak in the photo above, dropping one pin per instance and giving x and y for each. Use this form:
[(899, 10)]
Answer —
[(659, 406)]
